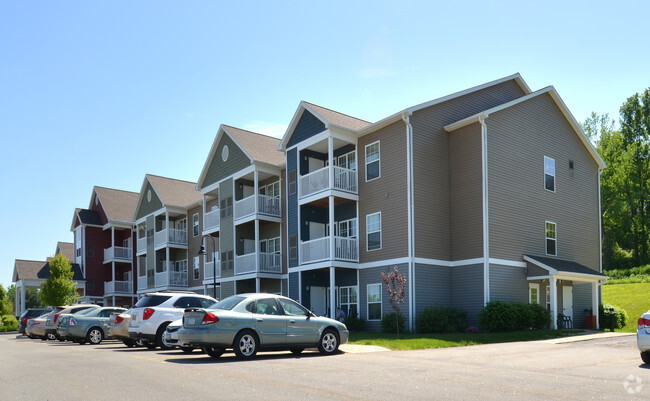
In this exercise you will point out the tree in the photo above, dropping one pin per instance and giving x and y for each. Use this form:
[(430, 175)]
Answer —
[(59, 288), (395, 284), (33, 298), (6, 306)]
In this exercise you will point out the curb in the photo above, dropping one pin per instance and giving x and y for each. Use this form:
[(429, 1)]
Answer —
[(586, 337)]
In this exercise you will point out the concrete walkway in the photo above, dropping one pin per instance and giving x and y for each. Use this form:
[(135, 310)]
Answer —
[(357, 349), (590, 335)]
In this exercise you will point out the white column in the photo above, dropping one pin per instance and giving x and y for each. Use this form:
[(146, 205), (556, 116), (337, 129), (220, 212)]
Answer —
[(113, 300), (331, 223), (553, 284), (332, 293), (330, 158), (256, 191), (594, 301), (257, 285), (257, 244), (166, 269)]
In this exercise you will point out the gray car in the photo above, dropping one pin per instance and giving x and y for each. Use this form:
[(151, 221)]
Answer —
[(87, 326), (249, 323)]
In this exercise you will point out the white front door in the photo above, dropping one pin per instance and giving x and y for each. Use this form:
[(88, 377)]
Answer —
[(567, 301), (318, 298)]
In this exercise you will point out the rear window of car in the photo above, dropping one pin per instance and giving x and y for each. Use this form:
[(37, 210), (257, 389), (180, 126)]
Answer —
[(151, 300), (228, 303)]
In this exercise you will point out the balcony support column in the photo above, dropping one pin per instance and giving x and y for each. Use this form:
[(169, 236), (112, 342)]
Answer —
[(332, 293), (330, 161), (113, 271), (257, 245), (256, 191), (332, 230), (257, 284)]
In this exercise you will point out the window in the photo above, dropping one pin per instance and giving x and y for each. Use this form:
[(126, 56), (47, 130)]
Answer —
[(226, 207), (348, 300), (549, 174), (272, 190), (374, 301), (373, 231), (551, 239), (533, 293), (292, 182), (90, 251), (372, 161), (195, 224), (197, 268), (347, 229), (347, 160), (227, 260), (293, 247)]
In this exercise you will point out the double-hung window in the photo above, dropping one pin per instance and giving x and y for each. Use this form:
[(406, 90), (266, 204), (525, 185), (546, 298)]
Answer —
[(195, 224), (373, 231), (348, 300), (372, 161), (551, 238), (374, 301), (549, 174), (196, 268), (533, 293)]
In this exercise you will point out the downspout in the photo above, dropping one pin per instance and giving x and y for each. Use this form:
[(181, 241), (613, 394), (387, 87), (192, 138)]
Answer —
[(410, 218), (599, 287), (486, 230)]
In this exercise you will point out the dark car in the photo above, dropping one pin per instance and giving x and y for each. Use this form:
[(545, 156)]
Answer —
[(28, 314)]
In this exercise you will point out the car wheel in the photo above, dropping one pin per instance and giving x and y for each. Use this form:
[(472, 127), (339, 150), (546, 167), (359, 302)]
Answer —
[(159, 336), (82, 341), (645, 356), (329, 342), (150, 346), (128, 343), (50, 336), (187, 350), (245, 345), (214, 352), (296, 351), (95, 335), (43, 338)]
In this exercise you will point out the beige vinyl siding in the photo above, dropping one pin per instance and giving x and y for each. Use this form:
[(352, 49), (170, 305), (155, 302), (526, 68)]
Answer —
[(431, 161), (146, 206), (466, 206), (218, 170), (386, 194), (518, 139)]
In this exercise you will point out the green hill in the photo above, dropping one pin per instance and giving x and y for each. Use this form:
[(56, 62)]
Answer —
[(634, 298)]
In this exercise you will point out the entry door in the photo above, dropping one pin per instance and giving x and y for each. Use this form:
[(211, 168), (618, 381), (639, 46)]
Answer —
[(318, 300), (567, 301)]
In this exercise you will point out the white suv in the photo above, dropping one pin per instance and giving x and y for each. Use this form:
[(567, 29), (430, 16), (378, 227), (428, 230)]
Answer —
[(153, 312)]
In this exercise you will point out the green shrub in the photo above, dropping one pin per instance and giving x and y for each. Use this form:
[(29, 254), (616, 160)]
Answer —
[(8, 323), (620, 316), (388, 323), (442, 319), (354, 323), (502, 316)]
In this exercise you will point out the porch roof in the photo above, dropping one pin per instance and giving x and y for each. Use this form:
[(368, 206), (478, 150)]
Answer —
[(559, 267)]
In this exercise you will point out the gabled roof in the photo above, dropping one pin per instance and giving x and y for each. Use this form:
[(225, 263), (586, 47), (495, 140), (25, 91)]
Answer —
[(170, 191), (117, 204), (32, 269), (326, 116), (258, 148), (66, 249), (87, 217), (560, 104), (556, 266)]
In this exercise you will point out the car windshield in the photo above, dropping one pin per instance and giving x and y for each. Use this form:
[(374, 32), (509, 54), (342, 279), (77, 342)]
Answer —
[(228, 303), (151, 300)]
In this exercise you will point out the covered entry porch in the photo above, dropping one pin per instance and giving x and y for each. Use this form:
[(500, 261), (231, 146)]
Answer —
[(557, 282), (323, 290)]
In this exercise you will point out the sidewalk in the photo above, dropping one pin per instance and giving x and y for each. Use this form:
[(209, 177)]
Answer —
[(357, 349), (591, 335)]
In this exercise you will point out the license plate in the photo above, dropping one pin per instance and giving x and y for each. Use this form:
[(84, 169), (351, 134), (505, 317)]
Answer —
[(191, 321)]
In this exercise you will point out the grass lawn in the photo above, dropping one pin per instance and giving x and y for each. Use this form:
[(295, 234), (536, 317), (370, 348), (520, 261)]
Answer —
[(425, 341), (634, 298)]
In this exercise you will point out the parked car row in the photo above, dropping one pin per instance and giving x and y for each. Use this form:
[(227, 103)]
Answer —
[(244, 323)]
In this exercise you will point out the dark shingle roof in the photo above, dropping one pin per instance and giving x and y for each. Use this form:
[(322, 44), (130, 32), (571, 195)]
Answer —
[(89, 217), (34, 269), (566, 266)]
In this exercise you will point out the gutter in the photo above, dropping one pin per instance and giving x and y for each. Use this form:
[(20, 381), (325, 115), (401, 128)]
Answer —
[(410, 217), (486, 222)]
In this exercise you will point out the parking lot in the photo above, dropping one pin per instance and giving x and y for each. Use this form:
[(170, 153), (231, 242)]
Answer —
[(601, 368)]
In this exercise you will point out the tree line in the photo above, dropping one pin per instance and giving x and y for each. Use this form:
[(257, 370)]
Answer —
[(625, 183)]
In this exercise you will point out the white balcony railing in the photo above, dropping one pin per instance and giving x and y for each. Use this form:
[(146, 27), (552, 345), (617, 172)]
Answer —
[(319, 180), (125, 287), (142, 245), (142, 283), (175, 275), (270, 263), (208, 270), (245, 207), (211, 220), (170, 236), (345, 249), (117, 253), (268, 205), (245, 263)]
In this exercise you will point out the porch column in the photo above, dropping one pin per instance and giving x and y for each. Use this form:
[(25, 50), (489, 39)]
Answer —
[(553, 293), (113, 238), (332, 293), (113, 300), (166, 269), (257, 244), (256, 191), (594, 301), (257, 285), (330, 161), (167, 226), (332, 230), (205, 200)]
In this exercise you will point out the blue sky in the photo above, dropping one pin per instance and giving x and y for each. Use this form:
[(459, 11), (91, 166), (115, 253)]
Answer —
[(101, 93)]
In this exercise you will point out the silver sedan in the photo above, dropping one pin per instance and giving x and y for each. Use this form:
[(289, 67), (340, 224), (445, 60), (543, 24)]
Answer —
[(249, 323), (643, 337)]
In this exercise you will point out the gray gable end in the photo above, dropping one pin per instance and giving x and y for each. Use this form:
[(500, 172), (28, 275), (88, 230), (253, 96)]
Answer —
[(307, 126), (219, 169), (148, 206)]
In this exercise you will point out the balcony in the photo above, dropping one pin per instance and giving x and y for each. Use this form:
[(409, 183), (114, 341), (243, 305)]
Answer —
[(121, 287), (319, 180), (143, 283), (170, 236), (267, 205), (173, 278), (208, 270), (268, 263), (345, 249), (141, 245), (211, 221), (117, 254)]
